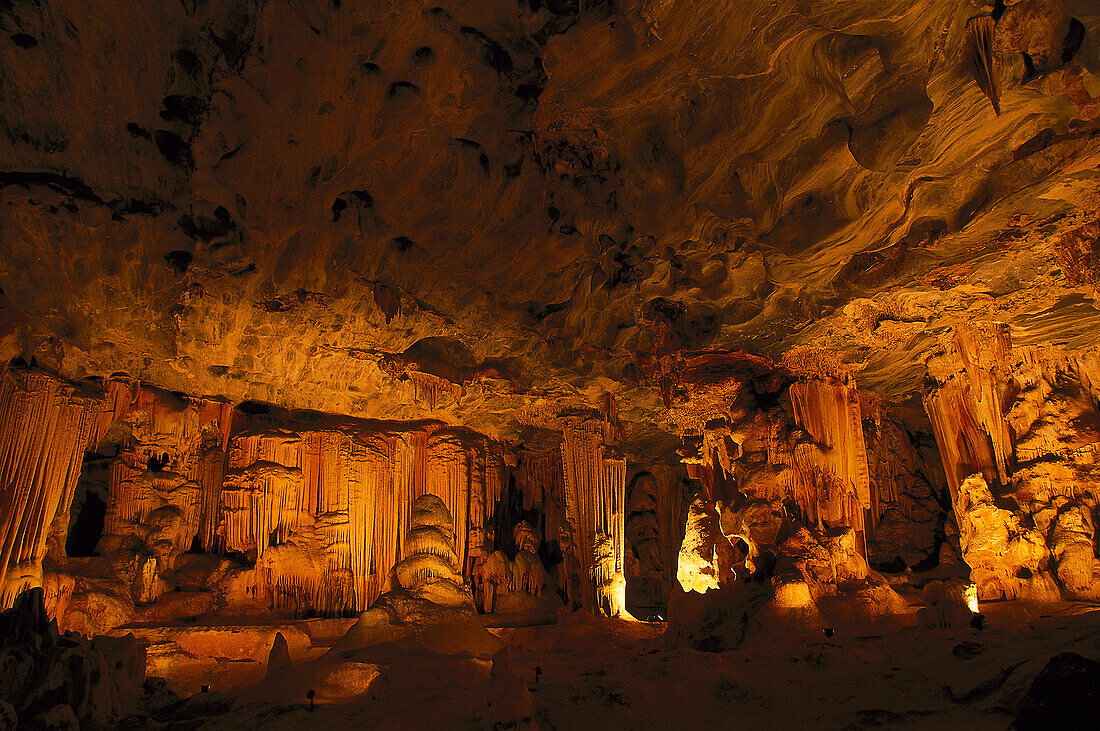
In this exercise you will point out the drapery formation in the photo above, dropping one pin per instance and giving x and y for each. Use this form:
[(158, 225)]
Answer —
[(1019, 427), (170, 466), (756, 430), (322, 511), (330, 506), (595, 496), (45, 427), (318, 506), (968, 408), (831, 480)]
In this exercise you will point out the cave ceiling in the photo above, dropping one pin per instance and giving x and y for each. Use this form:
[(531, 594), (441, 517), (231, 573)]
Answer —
[(490, 209)]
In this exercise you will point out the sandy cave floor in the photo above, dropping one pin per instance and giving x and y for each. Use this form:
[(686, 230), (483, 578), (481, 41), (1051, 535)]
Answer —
[(616, 674)]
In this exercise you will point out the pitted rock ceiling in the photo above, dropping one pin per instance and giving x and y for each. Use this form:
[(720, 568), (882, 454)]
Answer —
[(313, 203)]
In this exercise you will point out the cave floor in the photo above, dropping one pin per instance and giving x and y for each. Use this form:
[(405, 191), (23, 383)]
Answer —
[(616, 674)]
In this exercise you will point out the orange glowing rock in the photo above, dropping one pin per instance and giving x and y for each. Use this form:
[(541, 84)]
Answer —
[(45, 426)]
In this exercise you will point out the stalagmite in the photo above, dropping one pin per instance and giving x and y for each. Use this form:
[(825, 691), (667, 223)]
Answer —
[(705, 560), (430, 569), (1007, 559)]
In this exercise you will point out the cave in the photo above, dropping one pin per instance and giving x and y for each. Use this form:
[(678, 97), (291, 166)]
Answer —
[(550, 364)]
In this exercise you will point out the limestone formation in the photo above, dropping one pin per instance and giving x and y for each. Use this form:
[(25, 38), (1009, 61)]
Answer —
[(45, 427), (1007, 559), (657, 504), (47, 675), (493, 579), (595, 495), (376, 323), (430, 568), (1016, 430)]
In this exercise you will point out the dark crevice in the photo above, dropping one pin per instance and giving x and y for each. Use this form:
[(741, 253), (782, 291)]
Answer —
[(87, 529), (402, 88), (72, 187), (23, 40), (175, 149), (1075, 37), (178, 261), (77, 189)]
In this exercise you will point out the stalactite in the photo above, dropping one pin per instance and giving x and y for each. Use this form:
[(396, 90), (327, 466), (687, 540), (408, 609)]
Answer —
[(431, 389), (832, 469), (345, 494), (829, 411), (135, 494), (540, 475), (45, 426), (448, 477), (188, 434), (1021, 424), (478, 546), (967, 409), (978, 57), (387, 299), (985, 352), (595, 486)]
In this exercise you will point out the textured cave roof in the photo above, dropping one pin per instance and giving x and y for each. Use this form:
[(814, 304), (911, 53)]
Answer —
[(303, 202)]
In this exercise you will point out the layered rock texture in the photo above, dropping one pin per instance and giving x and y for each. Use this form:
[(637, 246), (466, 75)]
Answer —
[(384, 209), (786, 306)]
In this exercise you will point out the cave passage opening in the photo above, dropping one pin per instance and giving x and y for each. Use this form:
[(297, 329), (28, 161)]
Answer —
[(87, 528)]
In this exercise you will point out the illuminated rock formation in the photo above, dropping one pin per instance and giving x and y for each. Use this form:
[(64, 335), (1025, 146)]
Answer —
[(831, 466), (778, 532), (706, 556), (645, 297), (1007, 560), (946, 604), (45, 426), (430, 568), (492, 579), (809, 448), (1016, 427), (595, 496), (528, 574), (341, 494)]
